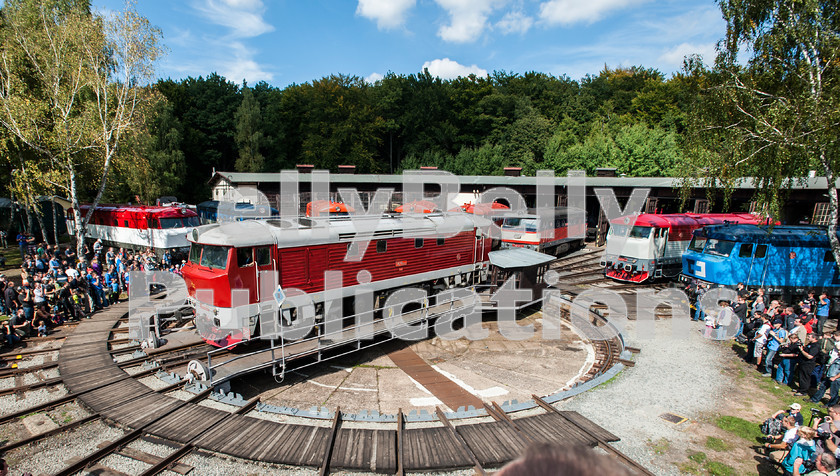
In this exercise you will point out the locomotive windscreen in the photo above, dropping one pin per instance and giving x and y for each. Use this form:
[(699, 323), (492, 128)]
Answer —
[(635, 232), (697, 244), (209, 256), (720, 247), (178, 222)]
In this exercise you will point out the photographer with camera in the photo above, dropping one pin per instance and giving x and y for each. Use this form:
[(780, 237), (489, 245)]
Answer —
[(777, 446), (828, 431)]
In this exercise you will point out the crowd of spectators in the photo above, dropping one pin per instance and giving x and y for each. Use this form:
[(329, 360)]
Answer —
[(789, 343), (56, 285)]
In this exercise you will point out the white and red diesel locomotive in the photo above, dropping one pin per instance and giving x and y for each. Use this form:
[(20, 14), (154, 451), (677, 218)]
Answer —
[(431, 251), (563, 230), (139, 227), (651, 246)]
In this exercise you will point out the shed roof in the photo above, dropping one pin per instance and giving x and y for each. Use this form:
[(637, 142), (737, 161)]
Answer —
[(513, 258)]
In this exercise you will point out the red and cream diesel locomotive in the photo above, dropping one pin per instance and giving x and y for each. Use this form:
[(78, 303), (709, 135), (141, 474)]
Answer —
[(139, 226), (651, 245), (563, 229), (432, 251)]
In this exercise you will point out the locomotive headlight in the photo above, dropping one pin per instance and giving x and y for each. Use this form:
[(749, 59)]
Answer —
[(195, 234)]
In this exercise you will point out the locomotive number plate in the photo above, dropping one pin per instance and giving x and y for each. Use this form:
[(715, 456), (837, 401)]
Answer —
[(399, 264)]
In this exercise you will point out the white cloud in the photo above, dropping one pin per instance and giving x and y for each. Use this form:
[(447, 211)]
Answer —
[(675, 55), (467, 19), (242, 66), (374, 77), (387, 13), (568, 12), (447, 69), (228, 54), (243, 17), (515, 22)]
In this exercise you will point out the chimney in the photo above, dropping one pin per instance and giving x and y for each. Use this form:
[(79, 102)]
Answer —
[(513, 171), (605, 172), (305, 168), (347, 169)]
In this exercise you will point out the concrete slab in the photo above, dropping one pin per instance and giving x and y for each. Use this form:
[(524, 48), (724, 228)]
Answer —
[(358, 391), (39, 423)]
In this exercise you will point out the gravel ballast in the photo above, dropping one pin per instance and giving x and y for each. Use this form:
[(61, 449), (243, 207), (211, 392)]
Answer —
[(678, 374)]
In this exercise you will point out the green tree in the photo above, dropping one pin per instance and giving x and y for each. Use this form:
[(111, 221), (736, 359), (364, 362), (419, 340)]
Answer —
[(249, 137), (642, 151), (158, 166), (205, 106), (777, 115), (71, 88), (340, 125)]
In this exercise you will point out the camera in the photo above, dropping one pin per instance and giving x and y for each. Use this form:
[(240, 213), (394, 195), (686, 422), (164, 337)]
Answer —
[(814, 411)]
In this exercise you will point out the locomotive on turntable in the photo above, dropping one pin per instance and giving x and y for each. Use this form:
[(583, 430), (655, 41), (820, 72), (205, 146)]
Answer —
[(431, 251)]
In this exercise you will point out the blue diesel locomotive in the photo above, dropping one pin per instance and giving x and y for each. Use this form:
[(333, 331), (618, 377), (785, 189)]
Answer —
[(786, 260)]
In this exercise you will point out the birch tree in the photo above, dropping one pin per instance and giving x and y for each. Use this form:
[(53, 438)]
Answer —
[(73, 86), (776, 115)]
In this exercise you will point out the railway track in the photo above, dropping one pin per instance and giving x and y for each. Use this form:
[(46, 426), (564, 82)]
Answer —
[(94, 379)]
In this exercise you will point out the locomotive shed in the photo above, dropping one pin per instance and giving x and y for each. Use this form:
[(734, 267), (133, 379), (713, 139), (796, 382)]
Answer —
[(339, 440)]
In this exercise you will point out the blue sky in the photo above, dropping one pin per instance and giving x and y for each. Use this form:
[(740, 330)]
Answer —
[(295, 41)]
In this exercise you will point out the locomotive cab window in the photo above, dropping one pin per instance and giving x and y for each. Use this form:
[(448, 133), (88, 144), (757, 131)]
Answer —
[(697, 244), (746, 250), (195, 253), (760, 251), (381, 246), (244, 257), (125, 223), (441, 241), (214, 256), (418, 242), (640, 232), (263, 256), (720, 247), (116, 223), (828, 257)]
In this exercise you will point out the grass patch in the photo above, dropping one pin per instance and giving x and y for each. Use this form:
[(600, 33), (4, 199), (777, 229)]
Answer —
[(699, 463), (698, 457), (717, 444), (690, 468), (12, 255), (716, 468), (661, 446), (741, 428)]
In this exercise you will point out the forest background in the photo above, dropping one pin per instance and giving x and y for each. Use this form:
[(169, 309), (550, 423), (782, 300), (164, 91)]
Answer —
[(633, 119)]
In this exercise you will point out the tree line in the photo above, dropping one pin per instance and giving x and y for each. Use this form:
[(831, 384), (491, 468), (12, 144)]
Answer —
[(632, 119)]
